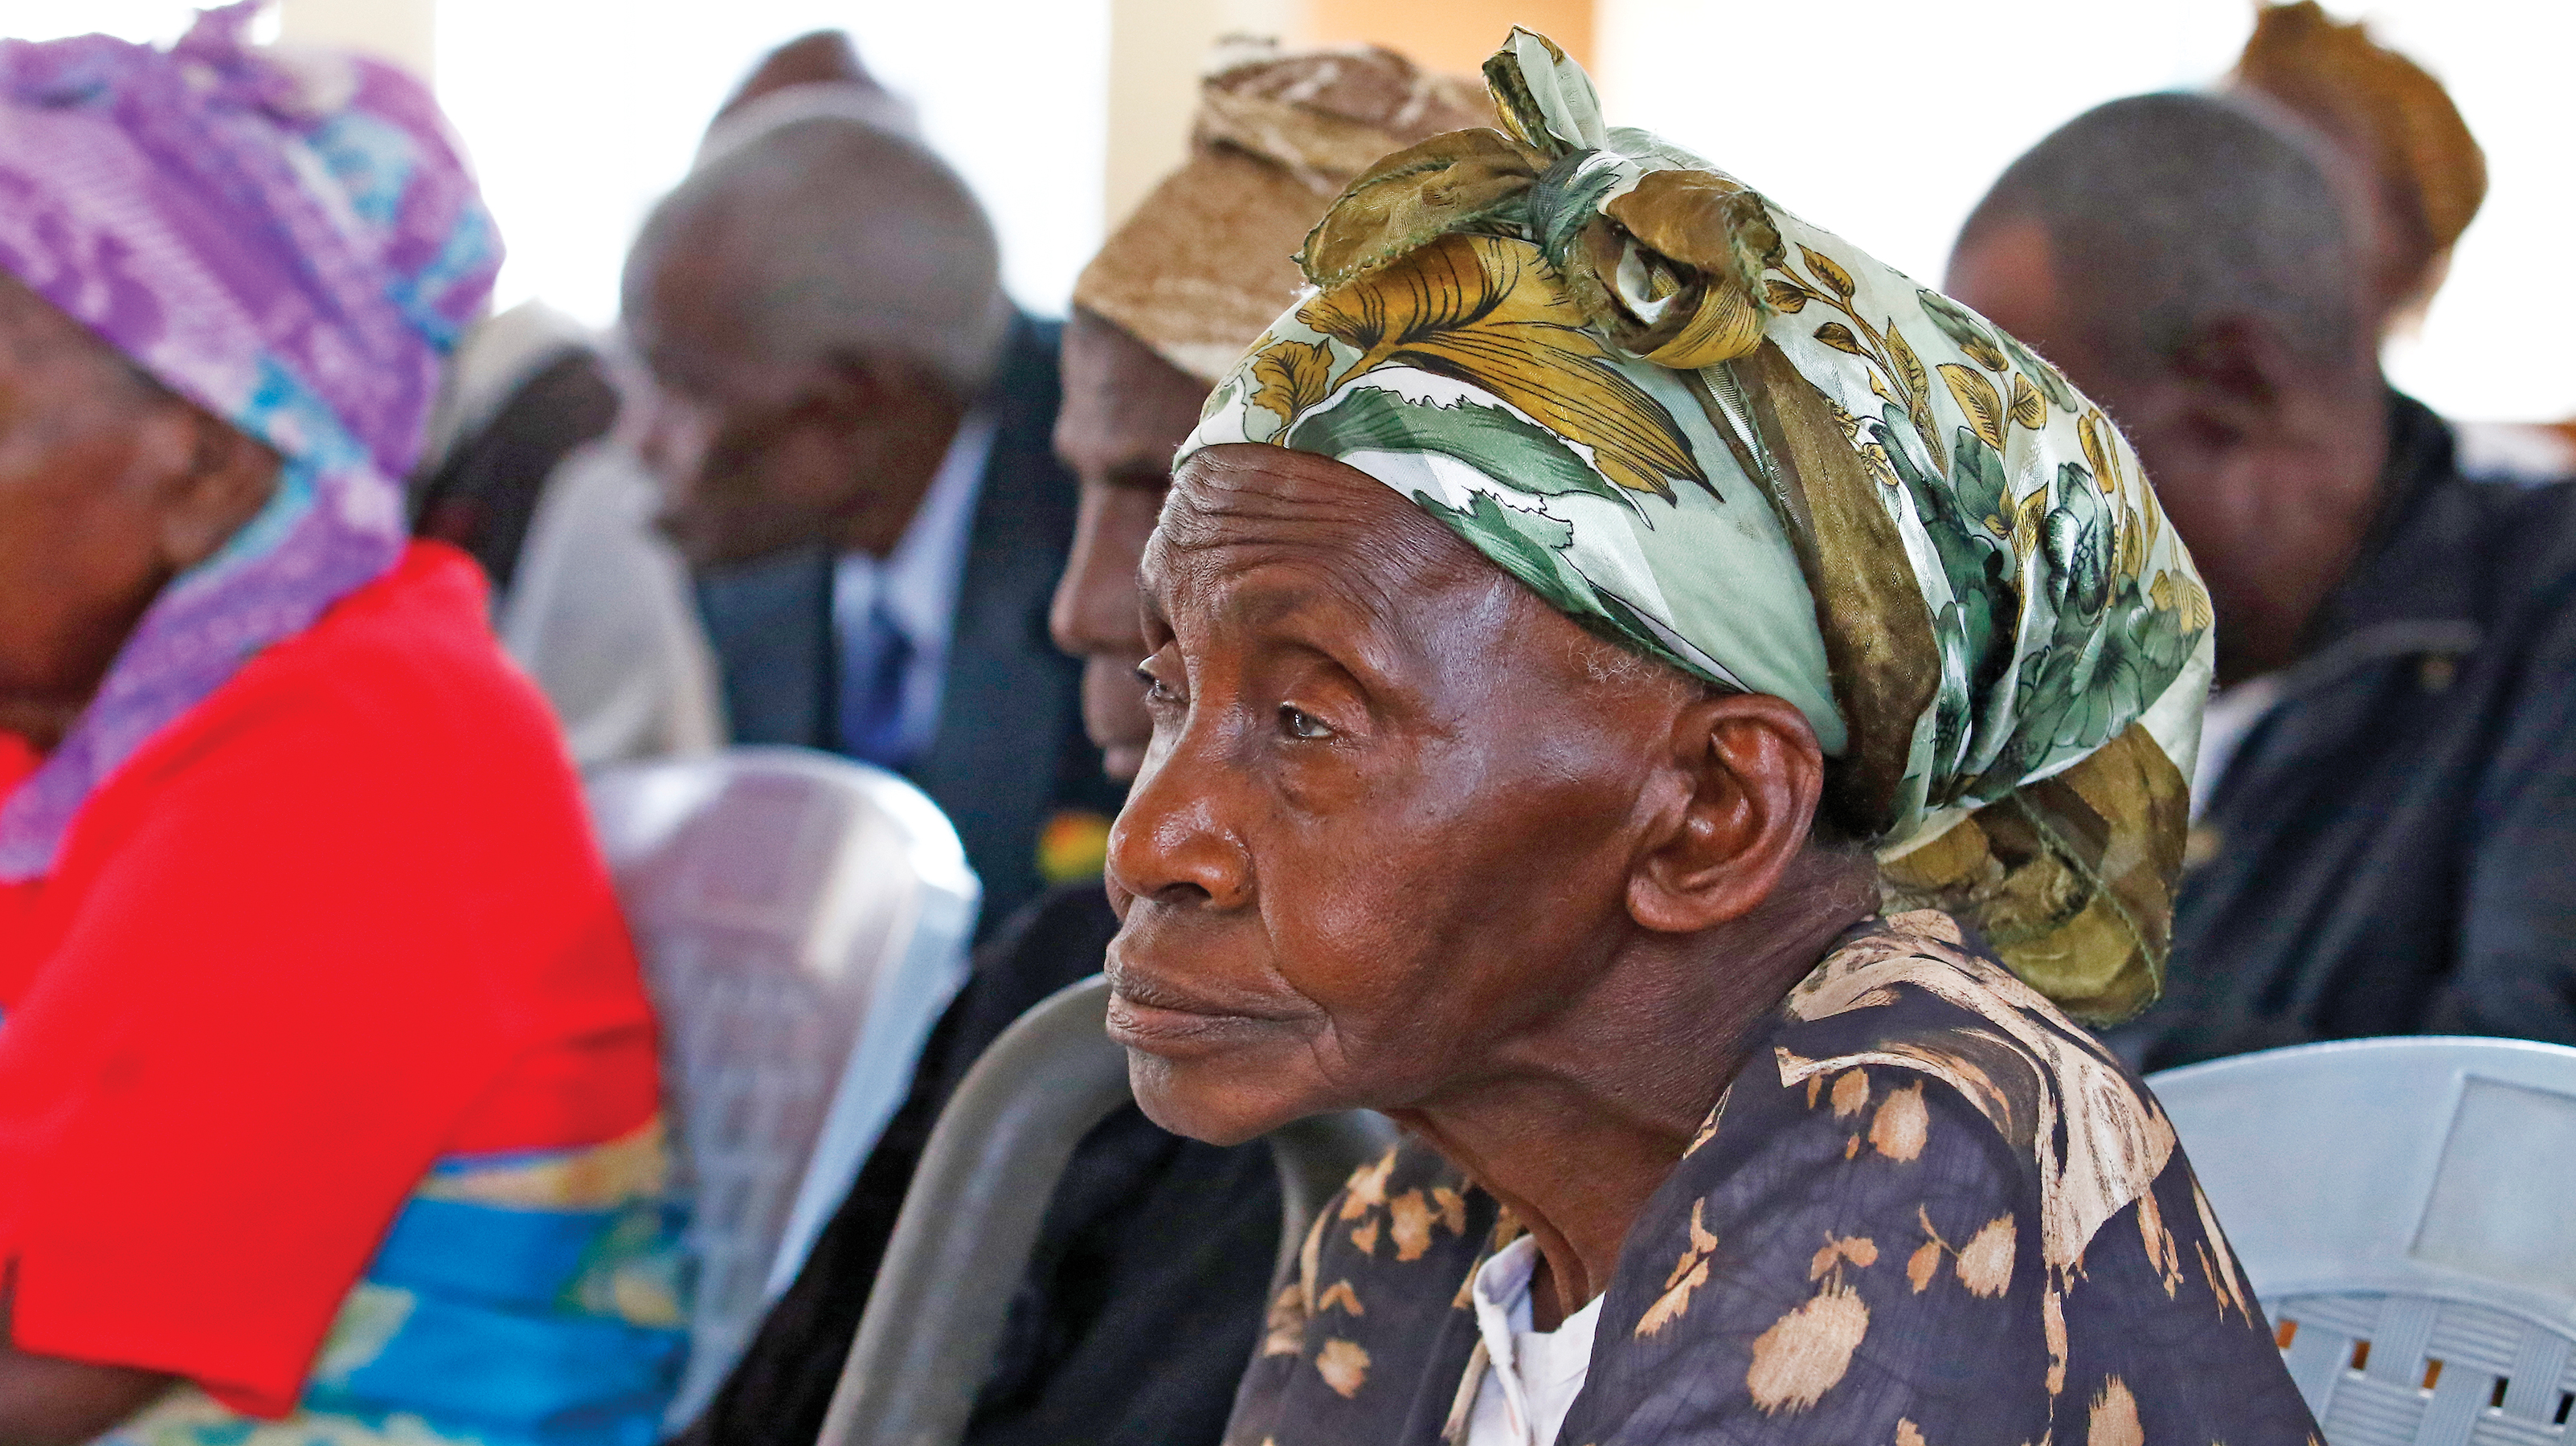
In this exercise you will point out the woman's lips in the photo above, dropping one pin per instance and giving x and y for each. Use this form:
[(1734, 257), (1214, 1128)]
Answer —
[(1176, 1032), (1161, 1019)]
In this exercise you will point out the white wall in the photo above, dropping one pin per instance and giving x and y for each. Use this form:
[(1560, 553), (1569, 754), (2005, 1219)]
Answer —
[(127, 19), (1885, 120), (402, 31), (580, 113)]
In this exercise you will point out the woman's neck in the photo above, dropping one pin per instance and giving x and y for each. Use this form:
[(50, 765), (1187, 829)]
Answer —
[(1584, 1120)]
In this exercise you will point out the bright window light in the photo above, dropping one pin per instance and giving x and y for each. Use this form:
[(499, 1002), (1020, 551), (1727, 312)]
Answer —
[(1885, 121), (145, 20), (579, 114)]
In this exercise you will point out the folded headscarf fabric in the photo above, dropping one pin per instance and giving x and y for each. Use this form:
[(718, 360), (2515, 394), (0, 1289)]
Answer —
[(2396, 119), (1735, 443), (1205, 260), (289, 240)]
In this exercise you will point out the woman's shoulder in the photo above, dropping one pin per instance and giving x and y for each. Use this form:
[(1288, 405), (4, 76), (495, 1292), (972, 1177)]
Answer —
[(392, 730), (416, 642), (401, 675), (1929, 1207), (1912, 994)]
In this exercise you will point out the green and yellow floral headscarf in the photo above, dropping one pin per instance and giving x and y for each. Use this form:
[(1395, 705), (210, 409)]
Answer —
[(1737, 444)]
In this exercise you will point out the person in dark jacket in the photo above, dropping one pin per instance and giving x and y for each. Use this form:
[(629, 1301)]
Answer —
[(853, 425), (1144, 1296), (2386, 798)]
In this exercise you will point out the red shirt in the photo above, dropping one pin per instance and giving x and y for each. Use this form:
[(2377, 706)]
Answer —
[(342, 918)]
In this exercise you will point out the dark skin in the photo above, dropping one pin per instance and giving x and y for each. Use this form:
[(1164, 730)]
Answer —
[(1401, 842), (2267, 464), (109, 487), (758, 454), (1125, 412), (822, 57)]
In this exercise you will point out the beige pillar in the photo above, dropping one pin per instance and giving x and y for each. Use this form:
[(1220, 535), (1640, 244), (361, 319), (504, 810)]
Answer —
[(1452, 35), (1157, 51), (402, 31)]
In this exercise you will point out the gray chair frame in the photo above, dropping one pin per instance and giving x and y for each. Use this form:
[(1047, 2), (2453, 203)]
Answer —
[(970, 1219)]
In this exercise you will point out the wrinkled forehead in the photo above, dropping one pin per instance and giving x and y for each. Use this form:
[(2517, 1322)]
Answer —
[(1297, 520)]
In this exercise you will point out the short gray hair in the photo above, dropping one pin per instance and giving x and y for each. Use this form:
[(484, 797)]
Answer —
[(838, 236), (2184, 210)]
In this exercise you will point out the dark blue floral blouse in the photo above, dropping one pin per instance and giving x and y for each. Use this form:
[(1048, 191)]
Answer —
[(1929, 1212)]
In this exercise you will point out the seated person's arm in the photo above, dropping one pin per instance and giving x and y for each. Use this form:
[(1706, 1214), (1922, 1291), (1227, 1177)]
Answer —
[(49, 1401), (2517, 959)]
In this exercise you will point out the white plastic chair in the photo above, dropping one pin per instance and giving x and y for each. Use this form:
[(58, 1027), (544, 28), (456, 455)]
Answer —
[(802, 921), (2406, 1211)]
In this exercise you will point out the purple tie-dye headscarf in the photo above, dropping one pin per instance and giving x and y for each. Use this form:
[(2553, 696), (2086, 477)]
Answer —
[(289, 240)]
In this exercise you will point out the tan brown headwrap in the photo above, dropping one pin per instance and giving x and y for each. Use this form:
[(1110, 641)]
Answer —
[(1207, 259), (2394, 118)]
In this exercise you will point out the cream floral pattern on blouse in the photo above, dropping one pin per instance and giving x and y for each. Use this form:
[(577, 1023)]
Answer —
[(1930, 1212)]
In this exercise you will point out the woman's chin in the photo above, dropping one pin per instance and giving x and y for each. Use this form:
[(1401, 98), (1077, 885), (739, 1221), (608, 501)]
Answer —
[(1206, 1100)]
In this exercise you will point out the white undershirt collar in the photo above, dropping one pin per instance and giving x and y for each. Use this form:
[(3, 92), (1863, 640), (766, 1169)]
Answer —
[(1531, 1377)]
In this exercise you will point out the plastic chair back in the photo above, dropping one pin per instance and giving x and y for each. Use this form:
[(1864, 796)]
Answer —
[(2405, 1209), (970, 1219), (802, 920)]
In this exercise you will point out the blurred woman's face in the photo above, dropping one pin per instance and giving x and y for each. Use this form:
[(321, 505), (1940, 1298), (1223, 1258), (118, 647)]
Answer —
[(109, 487), (1126, 411)]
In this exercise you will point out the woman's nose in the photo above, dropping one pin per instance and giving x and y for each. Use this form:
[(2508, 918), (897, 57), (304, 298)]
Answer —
[(1175, 841)]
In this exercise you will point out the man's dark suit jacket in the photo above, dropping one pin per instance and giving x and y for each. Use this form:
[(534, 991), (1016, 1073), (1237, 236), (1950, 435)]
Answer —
[(2393, 848), (1009, 751)]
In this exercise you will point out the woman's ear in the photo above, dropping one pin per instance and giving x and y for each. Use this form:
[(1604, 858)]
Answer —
[(214, 481), (1752, 773)]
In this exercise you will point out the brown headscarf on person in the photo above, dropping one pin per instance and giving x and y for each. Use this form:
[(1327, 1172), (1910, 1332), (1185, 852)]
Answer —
[(1206, 260), (2394, 120)]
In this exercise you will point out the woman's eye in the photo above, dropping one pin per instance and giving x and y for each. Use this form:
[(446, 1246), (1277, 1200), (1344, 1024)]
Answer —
[(1298, 723), (1156, 690)]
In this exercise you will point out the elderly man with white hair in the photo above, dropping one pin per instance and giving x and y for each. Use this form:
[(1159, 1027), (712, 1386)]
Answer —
[(853, 427)]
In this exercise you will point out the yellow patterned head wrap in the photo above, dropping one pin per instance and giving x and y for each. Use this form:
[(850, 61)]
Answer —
[(1738, 445)]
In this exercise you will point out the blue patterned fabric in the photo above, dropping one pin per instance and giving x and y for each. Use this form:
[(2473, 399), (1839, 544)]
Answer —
[(527, 1299)]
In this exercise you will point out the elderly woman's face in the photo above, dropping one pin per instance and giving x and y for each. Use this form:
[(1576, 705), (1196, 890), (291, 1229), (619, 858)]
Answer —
[(108, 488), (1384, 830)]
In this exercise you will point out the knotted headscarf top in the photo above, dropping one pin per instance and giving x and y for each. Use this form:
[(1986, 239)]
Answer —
[(1735, 443), (1203, 263), (289, 240)]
